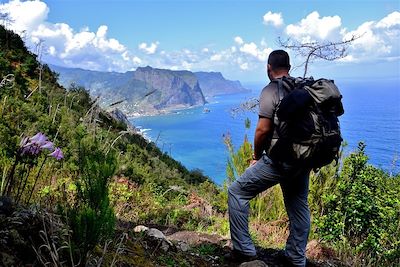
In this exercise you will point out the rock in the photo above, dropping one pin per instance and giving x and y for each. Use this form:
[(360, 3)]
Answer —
[(183, 246), (140, 228), (121, 117), (156, 234), (213, 83), (256, 263), (153, 232), (195, 238)]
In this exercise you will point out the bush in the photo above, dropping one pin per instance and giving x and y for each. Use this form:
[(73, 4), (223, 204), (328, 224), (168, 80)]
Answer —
[(92, 218), (363, 209)]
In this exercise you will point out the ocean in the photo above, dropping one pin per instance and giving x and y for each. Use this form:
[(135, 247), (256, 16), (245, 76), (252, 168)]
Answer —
[(195, 137)]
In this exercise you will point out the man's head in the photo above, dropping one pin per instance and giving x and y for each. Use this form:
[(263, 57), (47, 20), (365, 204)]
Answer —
[(278, 64)]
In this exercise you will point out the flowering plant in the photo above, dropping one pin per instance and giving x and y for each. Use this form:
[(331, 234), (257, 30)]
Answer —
[(37, 143), (29, 147)]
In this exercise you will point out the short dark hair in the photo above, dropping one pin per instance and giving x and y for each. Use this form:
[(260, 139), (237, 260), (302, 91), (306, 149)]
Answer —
[(279, 59)]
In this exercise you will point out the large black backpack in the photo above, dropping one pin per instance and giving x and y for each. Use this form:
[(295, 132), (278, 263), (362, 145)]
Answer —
[(307, 129)]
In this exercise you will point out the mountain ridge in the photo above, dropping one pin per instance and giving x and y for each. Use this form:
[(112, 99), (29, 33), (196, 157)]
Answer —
[(148, 90)]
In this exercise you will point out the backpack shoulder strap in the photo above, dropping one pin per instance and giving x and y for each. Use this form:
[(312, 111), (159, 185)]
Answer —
[(284, 84)]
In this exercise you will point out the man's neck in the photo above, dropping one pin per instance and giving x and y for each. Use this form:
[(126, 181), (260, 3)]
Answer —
[(279, 74)]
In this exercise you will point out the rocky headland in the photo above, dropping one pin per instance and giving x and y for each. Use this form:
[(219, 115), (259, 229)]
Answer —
[(147, 90)]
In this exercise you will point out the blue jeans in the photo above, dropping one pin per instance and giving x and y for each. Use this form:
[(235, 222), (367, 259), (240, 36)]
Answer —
[(264, 174)]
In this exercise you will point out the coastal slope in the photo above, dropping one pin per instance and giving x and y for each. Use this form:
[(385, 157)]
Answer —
[(214, 83), (147, 90)]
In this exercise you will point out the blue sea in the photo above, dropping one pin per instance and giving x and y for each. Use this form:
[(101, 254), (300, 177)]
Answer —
[(195, 137)]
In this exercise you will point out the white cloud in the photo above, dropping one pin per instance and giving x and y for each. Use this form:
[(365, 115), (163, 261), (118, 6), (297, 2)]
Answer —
[(52, 50), (244, 66), (216, 57), (391, 20), (238, 40), (249, 48), (62, 45), (253, 50), (377, 40), (25, 16), (125, 56), (94, 49), (273, 19), (315, 28), (136, 60), (149, 49)]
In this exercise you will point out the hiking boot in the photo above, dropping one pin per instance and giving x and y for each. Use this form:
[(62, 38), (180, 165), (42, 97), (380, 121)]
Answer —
[(283, 259), (238, 257)]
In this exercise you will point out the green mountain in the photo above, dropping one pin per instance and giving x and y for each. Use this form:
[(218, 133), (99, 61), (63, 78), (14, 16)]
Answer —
[(213, 83), (144, 91), (149, 90)]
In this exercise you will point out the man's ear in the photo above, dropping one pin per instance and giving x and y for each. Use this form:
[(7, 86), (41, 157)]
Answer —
[(269, 68)]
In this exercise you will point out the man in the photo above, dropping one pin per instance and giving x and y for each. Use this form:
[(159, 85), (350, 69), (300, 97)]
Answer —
[(263, 173)]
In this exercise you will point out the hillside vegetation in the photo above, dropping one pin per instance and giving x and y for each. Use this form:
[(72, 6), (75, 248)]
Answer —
[(75, 183), (98, 168)]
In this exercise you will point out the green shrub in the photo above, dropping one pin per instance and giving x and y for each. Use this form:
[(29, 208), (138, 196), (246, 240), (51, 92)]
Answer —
[(92, 218), (363, 209)]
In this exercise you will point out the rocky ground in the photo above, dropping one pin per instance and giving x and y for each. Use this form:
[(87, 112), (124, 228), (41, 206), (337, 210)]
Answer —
[(33, 237), (199, 249)]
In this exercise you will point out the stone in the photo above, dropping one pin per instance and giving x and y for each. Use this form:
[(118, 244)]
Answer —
[(140, 228), (183, 246), (153, 232), (256, 263)]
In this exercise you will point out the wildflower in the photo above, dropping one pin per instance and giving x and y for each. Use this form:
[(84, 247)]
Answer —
[(57, 154), (34, 145), (47, 145), (38, 139), (30, 149)]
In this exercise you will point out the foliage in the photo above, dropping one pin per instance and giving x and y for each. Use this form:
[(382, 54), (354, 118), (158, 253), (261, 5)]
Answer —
[(363, 209), (91, 217), (267, 205), (355, 206), (238, 161), (28, 155)]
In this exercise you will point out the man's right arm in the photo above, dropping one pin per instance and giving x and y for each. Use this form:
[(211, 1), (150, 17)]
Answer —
[(265, 125), (263, 132)]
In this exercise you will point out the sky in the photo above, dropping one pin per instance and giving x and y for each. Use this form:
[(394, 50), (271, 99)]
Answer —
[(232, 37)]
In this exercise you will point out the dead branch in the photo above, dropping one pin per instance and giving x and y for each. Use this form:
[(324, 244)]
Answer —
[(318, 50)]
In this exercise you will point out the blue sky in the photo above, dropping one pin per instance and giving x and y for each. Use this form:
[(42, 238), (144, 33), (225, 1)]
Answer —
[(233, 37)]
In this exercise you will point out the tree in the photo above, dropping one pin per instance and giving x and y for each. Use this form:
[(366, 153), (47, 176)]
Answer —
[(327, 50)]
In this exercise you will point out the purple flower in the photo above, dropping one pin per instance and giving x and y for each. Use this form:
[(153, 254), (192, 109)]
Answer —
[(57, 154), (39, 139), (47, 145), (35, 144)]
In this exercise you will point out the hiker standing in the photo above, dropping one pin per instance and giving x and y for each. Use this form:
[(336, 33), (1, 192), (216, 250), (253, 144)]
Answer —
[(264, 173)]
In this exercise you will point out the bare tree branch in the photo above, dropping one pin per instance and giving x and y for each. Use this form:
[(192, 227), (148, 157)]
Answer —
[(315, 50)]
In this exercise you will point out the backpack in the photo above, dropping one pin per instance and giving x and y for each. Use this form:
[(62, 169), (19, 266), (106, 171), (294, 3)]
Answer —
[(307, 129)]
